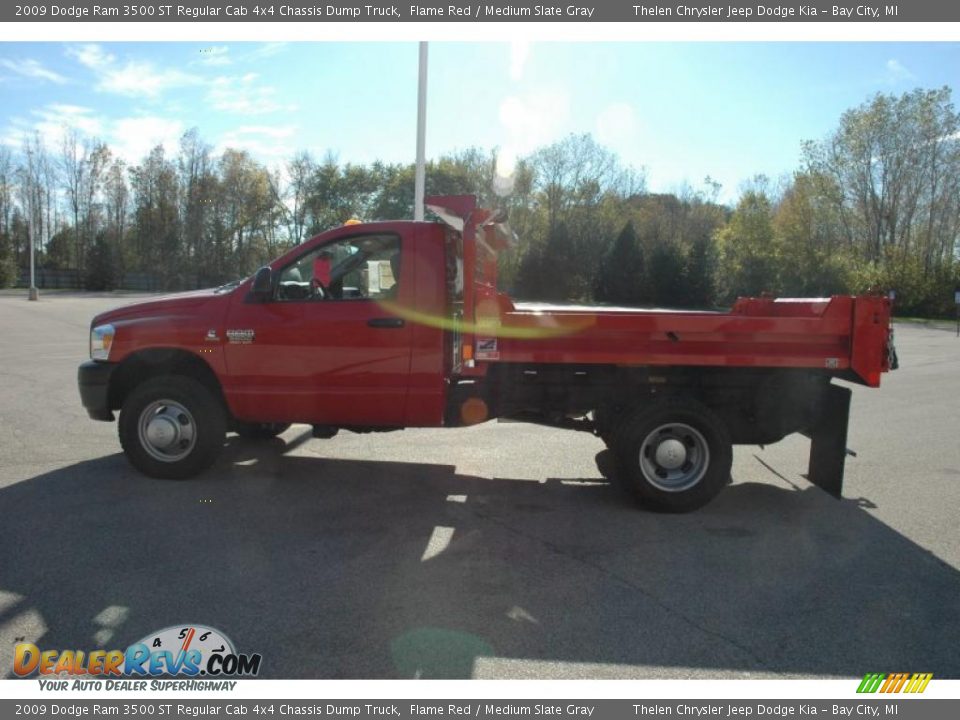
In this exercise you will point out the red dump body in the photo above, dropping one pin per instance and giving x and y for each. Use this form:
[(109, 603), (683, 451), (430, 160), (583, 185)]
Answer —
[(836, 334), (847, 336)]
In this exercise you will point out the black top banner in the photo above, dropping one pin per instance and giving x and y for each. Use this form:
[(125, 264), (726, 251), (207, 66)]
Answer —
[(478, 11)]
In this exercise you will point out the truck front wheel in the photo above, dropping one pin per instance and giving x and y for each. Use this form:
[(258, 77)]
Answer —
[(675, 455), (171, 427)]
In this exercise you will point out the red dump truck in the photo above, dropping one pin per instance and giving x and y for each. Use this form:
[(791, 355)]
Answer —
[(390, 325)]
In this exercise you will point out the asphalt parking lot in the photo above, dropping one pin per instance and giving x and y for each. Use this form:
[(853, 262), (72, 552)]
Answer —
[(495, 551)]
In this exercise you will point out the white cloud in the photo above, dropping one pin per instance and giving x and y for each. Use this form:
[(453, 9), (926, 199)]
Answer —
[(52, 123), (617, 125), (17, 132), (32, 69), (275, 132), (130, 138), (243, 95), (218, 55), (267, 143), (133, 78), (143, 79), (92, 56), (56, 118), (897, 73), (134, 137), (267, 50)]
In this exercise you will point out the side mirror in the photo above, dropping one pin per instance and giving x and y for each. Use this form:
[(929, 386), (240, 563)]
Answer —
[(262, 287)]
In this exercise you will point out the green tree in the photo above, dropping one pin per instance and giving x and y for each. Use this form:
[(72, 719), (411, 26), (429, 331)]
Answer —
[(809, 230), (57, 255), (101, 265), (8, 268), (700, 272), (621, 277), (116, 210), (292, 200), (338, 194), (83, 163), (666, 276), (549, 272), (157, 219), (198, 185), (895, 162), (248, 205), (750, 253)]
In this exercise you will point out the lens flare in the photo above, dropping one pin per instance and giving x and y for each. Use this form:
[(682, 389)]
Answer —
[(570, 326)]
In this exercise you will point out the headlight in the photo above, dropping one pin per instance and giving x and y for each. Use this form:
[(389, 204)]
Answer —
[(101, 338)]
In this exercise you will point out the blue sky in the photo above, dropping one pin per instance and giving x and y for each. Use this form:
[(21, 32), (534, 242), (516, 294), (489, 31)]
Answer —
[(681, 110)]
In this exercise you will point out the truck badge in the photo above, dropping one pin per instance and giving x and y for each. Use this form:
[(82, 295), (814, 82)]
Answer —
[(212, 335), (241, 337)]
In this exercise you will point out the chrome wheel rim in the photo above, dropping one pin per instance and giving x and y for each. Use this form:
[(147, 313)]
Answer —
[(674, 457), (167, 430)]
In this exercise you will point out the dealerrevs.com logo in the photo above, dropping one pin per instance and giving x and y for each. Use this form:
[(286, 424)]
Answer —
[(190, 651)]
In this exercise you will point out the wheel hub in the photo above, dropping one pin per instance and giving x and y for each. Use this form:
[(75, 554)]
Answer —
[(162, 432), (674, 457), (168, 432), (671, 454)]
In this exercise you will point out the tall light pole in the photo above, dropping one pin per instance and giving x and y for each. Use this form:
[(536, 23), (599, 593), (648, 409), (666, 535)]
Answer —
[(420, 177), (32, 293)]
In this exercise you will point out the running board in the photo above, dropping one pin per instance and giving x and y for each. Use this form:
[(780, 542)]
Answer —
[(558, 421)]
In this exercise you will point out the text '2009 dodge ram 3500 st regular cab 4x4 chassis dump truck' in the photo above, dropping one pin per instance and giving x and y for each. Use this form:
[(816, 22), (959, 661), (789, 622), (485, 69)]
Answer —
[(393, 325)]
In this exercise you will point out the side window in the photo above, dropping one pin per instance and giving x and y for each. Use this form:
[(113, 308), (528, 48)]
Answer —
[(364, 267)]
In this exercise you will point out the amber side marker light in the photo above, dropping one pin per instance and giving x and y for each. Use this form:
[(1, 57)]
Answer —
[(474, 411)]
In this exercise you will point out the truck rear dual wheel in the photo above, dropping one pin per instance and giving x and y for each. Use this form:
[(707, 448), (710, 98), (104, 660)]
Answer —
[(674, 455), (172, 427)]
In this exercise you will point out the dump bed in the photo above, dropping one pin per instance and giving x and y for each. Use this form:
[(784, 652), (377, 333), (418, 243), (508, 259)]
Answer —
[(846, 336), (841, 334)]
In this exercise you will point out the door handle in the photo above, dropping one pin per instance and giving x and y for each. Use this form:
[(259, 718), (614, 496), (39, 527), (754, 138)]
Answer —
[(386, 322)]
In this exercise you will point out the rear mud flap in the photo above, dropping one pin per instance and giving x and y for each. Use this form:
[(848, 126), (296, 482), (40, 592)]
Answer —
[(828, 441)]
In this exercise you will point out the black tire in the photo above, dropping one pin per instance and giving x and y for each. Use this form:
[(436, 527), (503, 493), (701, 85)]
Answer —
[(172, 427), (606, 420), (259, 431), (674, 455)]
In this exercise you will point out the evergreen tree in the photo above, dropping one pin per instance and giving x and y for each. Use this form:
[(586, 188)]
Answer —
[(699, 272), (666, 275), (8, 268), (621, 276), (101, 268)]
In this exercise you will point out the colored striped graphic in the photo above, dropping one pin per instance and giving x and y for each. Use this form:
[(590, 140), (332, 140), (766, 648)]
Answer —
[(894, 683)]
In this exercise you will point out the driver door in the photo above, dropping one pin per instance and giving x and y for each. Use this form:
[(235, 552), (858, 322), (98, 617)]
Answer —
[(324, 349)]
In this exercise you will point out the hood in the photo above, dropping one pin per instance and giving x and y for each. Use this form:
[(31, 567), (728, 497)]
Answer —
[(163, 305)]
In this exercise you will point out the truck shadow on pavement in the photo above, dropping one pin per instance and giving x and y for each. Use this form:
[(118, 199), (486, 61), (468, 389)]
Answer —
[(374, 569)]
